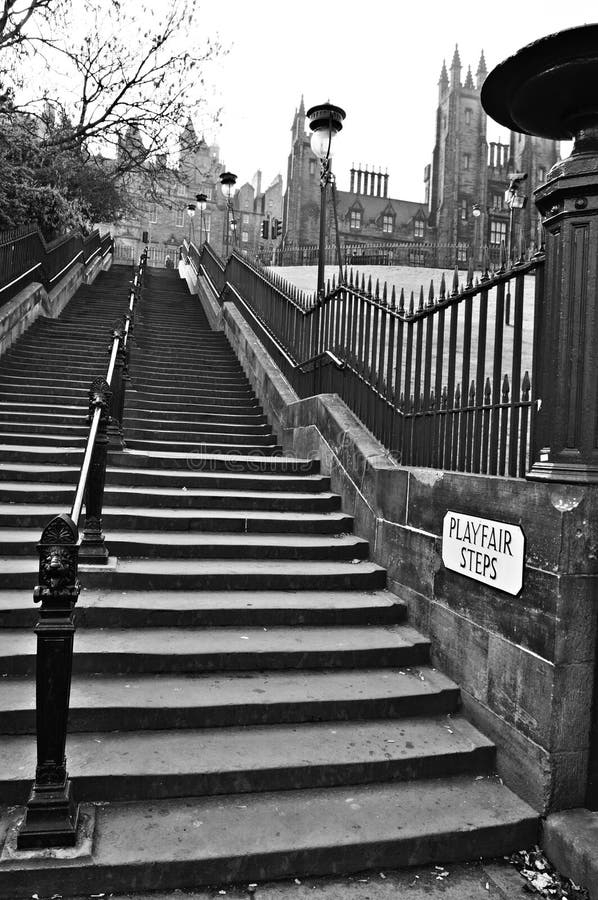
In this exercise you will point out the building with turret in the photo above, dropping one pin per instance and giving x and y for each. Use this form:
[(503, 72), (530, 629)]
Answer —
[(467, 173)]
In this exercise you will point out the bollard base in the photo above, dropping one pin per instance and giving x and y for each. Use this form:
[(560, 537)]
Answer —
[(51, 819)]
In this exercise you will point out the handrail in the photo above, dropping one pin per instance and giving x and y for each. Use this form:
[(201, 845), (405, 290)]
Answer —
[(51, 813)]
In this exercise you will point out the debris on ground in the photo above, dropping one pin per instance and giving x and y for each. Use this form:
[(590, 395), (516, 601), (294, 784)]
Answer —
[(541, 878)]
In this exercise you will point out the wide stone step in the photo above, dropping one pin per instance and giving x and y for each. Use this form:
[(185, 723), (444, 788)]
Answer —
[(207, 762), (36, 499), (182, 843), (142, 400), (237, 462), (212, 443), (241, 520), (112, 703), (207, 423), (229, 381), (223, 434), (171, 417), (210, 574), (205, 609), (167, 651), (182, 391), (26, 427)]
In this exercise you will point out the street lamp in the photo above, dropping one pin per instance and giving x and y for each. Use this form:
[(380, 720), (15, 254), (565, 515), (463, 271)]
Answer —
[(191, 214), (514, 200), (201, 205), (227, 181), (325, 121)]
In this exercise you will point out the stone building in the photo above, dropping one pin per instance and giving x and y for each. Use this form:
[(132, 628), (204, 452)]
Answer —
[(252, 207), (162, 216), (467, 172)]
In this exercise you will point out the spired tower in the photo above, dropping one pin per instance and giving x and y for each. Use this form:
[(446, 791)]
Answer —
[(458, 173), (301, 208)]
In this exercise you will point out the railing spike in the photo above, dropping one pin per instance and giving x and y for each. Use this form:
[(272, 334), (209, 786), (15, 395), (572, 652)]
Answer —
[(431, 293), (472, 393), (411, 304), (421, 297), (328, 286), (458, 395), (486, 264), (456, 281), (333, 281), (487, 391), (363, 283), (345, 276), (377, 294), (503, 256), (505, 389), (442, 287), (393, 298), (444, 398), (385, 294), (526, 385), (402, 302), (351, 277), (369, 285)]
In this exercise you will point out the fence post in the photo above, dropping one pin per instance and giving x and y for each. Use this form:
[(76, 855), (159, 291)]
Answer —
[(566, 321), (51, 815)]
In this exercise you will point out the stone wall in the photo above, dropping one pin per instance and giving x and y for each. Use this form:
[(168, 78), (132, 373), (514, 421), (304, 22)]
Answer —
[(525, 664), (20, 313)]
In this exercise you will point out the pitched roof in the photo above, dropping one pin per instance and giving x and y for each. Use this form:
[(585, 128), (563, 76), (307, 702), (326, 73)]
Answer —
[(373, 207)]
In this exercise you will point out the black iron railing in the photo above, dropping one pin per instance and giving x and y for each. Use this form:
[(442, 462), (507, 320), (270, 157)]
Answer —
[(25, 257), (408, 252), (51, 814), (442, 378)]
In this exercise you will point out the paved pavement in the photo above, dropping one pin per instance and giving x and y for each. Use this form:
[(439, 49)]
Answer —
[(489, 880)]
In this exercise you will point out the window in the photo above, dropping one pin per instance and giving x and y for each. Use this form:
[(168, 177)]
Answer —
[(312, 167), (497, 201), (245, 219), (498, 232), (468, 115), (206, 226), (153, 212), (466, 160), (462, 253), (463, 208), (245, 237), (541, 173), (179, 217), (355, 219), (417, 258), (387, 223), (418, 228)]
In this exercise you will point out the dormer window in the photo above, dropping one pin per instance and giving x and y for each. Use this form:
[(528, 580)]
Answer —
[(355, 219), (387, 223), (418, 228)]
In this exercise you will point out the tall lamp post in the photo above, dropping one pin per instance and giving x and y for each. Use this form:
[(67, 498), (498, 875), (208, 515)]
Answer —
[(325, 121), (201, 205), (227, 181), (477, 212), (191, 214)]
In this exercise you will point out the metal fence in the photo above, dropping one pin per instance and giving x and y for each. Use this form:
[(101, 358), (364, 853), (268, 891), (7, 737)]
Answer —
[(25, 257), (442, 377), (380, 253)]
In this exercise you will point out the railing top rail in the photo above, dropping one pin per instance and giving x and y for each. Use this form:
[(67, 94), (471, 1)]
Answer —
[(212, 253), (16, 234), (283, 287)]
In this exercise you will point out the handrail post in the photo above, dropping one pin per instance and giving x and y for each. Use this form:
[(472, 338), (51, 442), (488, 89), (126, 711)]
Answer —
[(51, 816), (93, 545), (117, 389)]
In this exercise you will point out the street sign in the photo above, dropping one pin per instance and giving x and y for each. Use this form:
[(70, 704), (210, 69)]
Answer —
[(487, 551)]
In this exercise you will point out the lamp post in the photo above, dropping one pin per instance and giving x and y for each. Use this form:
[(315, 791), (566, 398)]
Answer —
[(325, 121), (477, 213), (515, 200), (227, 181), (191, 214), (201, 205)]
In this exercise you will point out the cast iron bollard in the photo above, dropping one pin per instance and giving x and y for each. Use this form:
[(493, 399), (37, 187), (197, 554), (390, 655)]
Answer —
[(51, 816), (549, 89)]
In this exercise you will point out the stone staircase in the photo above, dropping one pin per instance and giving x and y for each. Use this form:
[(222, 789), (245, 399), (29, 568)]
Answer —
[(248, 702)]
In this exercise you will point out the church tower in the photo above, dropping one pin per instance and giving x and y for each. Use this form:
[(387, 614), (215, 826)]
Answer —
[(458, 174), (301, 210)]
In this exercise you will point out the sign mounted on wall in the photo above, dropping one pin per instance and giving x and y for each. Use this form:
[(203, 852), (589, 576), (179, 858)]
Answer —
[(491, 552)]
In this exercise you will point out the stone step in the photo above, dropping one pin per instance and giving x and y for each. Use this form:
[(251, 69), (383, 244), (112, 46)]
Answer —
[(131, 518), (203, 609), (184, 843), (200, 545), (232, 463), (120, 767), (141, 424), (172, 417), (22, 498), (170, 651), (210, 574), (140, 702), (143, 400), (222, 434), (210, 443), (204, 474)]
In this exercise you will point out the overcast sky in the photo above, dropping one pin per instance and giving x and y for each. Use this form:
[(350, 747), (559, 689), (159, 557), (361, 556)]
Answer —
[(378, 59)]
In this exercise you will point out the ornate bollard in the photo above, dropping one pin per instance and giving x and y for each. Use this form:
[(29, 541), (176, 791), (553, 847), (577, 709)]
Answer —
[(51, 816), (93, 548)]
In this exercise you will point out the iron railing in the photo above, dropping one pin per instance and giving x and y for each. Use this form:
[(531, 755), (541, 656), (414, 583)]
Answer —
[(441, 378), (25, 257), (51, 813), (414, 252)]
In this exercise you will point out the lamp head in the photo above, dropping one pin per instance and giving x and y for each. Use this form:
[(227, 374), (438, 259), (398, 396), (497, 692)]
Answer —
[(325, 121), (201, 201), (227, 182), (191, 210)]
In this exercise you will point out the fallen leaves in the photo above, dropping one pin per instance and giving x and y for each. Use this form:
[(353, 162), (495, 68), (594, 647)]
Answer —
[(542, 879)]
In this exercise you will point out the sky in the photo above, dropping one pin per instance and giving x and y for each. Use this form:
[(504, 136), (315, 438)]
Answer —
[(379, 60)]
